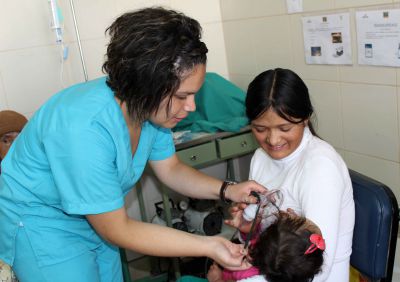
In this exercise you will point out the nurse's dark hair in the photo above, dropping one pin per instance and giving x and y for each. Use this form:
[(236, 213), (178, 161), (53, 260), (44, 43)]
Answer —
[(150, 52), (283, 91)]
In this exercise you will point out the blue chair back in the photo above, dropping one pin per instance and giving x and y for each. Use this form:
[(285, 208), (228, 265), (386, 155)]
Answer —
[(376, 226)]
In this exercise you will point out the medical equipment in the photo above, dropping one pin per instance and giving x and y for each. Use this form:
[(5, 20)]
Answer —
[(57, 24), (269, 204), (71, 2), (267, 207), (56, 20), (176, 214), (204, 222)]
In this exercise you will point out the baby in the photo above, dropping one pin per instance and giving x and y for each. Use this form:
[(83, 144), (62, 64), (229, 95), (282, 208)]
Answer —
[(288, 250)]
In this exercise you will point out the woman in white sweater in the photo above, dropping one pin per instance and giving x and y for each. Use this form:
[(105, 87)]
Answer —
[(311, 175)]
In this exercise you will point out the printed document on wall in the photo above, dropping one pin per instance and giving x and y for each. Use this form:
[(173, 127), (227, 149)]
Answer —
[(327, 39), (378, 37)]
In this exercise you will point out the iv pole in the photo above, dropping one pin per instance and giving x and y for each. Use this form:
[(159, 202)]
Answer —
[(79, 40)]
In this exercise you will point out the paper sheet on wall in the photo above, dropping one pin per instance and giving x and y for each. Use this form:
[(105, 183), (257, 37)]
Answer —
[(378, 37), (327, 39), (294, 6)]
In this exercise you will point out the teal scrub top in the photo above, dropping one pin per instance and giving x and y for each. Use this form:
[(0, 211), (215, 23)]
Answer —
[(73, 158)]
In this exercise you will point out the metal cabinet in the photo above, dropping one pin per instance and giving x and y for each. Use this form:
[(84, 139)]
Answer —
[(235, 146)]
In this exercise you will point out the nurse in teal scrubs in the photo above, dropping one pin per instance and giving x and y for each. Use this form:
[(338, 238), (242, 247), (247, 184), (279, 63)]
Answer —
[(64, 179)]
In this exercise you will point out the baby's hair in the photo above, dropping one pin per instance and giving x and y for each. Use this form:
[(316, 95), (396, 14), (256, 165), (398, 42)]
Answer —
[(279, 251)]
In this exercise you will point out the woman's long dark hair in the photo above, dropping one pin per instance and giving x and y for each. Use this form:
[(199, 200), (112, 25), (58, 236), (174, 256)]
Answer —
[(150, 52), (283, 91)]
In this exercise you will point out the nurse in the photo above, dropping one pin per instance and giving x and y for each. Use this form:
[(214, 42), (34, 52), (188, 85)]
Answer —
[(64, 179), (312, 176)]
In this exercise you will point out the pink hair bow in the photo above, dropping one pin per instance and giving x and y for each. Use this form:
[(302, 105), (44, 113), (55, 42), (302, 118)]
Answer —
[(317, 242)]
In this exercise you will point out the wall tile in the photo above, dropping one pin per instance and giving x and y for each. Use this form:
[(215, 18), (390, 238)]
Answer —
[(398, 111), (398, 76), (239, 50), (272, 43), (325, 97), (241, 80), (312, 5), (384, 171), (93, 17), (94, 52), (235, 9), (123, 6), (341, 152), (35, 79), (213, 36), (204, 11), (396, 269), (3, 101), (94, 55), (370, 120), (359, 3), (368, 74), (263, 8), (238, 9)]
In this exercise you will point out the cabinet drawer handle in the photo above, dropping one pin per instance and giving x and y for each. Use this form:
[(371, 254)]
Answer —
[(243, 144), (193, 158)]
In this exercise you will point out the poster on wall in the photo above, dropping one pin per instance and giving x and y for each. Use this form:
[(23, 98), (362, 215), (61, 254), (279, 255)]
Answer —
[(378, 37), (294, 6), (327, 39)]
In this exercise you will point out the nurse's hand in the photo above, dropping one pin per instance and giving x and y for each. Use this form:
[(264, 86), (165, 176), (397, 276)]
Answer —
[(226, 253), (241, 192)]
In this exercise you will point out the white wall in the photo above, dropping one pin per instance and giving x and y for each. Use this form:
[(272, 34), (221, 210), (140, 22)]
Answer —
[(357, 107), (30, 61)]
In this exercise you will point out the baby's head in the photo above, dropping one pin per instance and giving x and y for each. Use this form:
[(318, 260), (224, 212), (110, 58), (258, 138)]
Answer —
[(285, 252)]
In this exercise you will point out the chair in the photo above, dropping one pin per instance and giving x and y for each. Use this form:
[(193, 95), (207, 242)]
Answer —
[(376, 226)]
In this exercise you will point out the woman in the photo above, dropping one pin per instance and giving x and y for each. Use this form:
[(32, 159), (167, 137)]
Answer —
[(312, 176), (64, 180)]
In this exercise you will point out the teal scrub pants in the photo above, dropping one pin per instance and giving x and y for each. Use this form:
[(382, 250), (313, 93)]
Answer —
[(100, 265)]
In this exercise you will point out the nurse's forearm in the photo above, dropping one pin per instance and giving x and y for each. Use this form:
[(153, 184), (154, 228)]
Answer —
[(146, 238), (186, 180)]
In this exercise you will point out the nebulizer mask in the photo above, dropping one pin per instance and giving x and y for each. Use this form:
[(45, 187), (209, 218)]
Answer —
[(268, 204), (266, 209)]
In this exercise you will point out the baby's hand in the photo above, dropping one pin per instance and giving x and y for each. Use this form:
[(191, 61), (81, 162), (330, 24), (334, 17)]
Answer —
[(237, 220), (214, 274)]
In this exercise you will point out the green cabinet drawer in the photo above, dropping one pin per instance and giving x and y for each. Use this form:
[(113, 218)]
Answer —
[(198, 155), (237, 145)]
